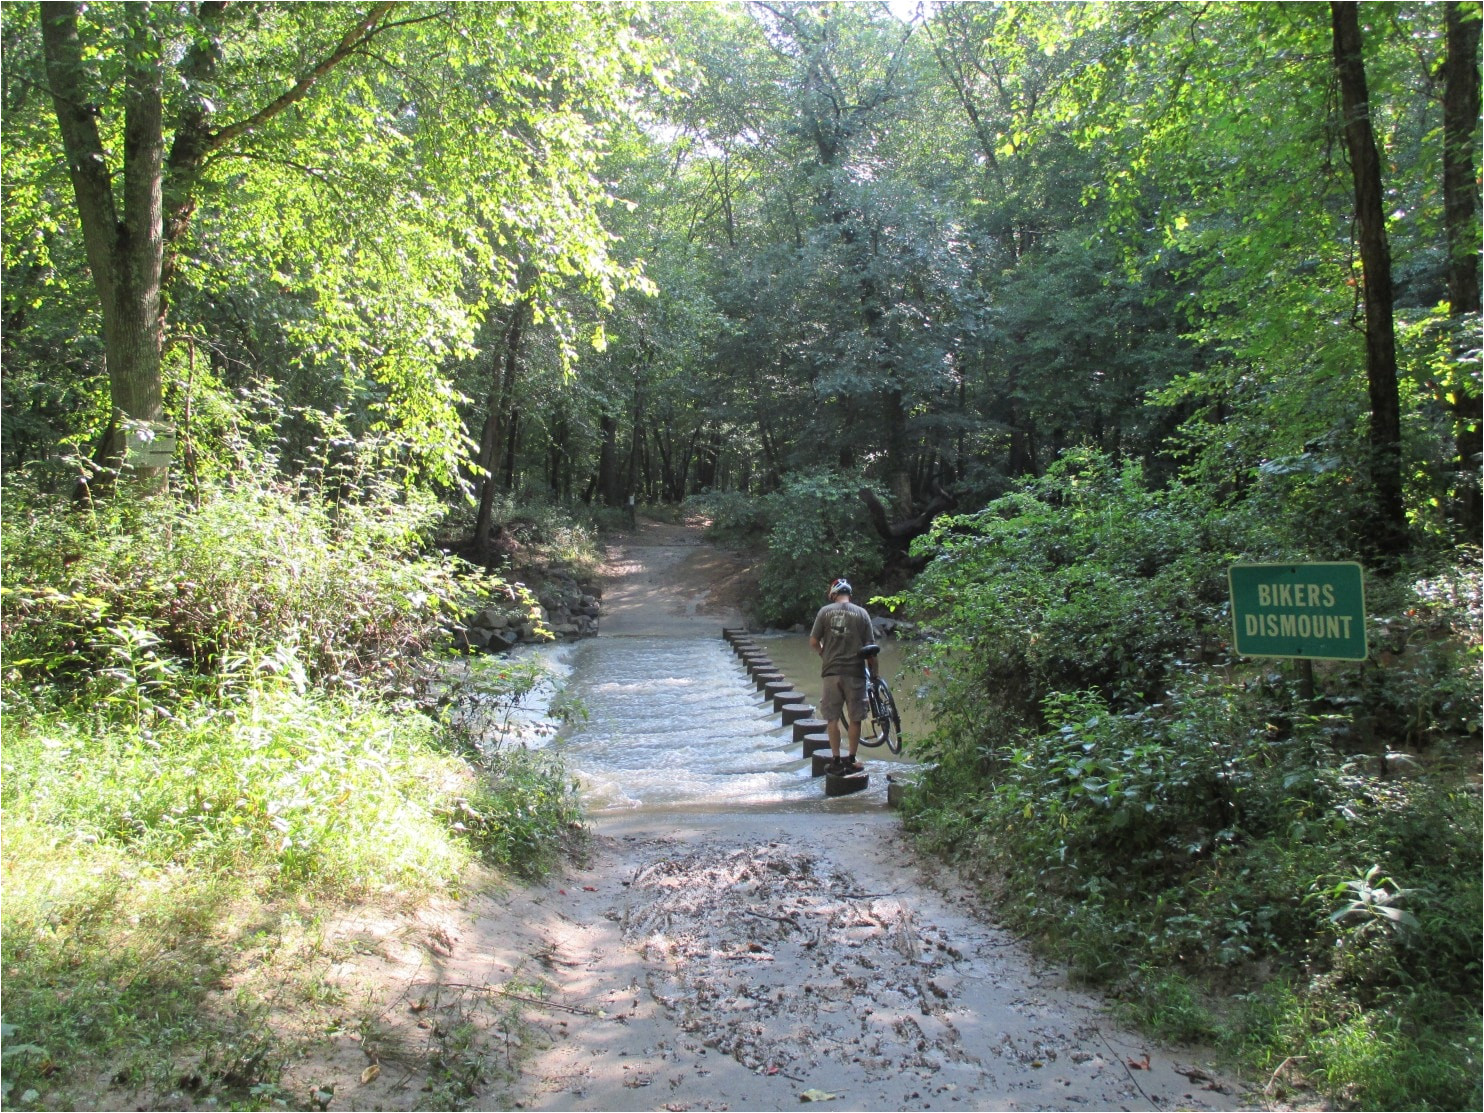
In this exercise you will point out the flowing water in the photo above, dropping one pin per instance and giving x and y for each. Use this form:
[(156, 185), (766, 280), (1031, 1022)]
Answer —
[(676, 722)]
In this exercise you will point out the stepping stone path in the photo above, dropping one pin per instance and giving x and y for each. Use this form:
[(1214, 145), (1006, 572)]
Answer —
[(790, 704)]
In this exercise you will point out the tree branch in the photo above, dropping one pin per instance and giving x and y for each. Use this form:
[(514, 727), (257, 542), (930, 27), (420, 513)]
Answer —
[(363, 32)]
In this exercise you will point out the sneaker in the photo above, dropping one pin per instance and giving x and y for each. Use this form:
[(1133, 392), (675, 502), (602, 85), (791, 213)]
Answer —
[(836, 765), (850, 765)]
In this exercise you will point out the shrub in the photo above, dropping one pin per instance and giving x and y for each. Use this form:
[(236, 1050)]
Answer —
[(818, 530), (732, 518), (1081, 580), (143, 604)]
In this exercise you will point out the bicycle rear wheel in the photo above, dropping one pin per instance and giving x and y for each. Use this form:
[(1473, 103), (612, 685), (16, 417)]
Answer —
[(884, 714)]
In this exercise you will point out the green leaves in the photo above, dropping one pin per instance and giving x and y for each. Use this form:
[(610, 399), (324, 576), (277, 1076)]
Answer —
[(817, 530), (351, 190), (1371, 904)]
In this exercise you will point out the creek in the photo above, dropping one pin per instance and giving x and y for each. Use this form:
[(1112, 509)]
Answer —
[(670, 722)]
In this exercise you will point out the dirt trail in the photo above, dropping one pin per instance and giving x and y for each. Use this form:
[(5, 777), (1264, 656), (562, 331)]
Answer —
[(765, 959)]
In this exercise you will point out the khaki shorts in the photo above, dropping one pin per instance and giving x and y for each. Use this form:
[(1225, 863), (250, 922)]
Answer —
[(843, 692)]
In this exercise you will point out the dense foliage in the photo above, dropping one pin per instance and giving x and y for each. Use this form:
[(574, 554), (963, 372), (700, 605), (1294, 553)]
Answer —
[(1159, 810)]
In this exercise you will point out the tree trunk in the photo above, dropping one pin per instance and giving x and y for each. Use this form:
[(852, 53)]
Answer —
[(610, 485), (771, 477), (1389, 533), (491, 439), (125, 252), (1460, 217), (637, 446), (899, 534), (683, 466), (707, 461), (512, 444), (559, 460), (898, 466), (1460, 119)]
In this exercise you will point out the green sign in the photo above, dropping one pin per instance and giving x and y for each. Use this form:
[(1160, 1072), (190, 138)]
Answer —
[(149, 446), (1299, 610)]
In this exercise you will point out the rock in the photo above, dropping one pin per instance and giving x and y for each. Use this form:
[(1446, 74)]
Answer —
[(562, 606)]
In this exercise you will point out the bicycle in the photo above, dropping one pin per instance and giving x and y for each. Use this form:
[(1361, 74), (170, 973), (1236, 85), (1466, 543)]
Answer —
[(886, 724)]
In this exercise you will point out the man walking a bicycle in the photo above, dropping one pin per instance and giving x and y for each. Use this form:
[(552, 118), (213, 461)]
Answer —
[(840, 630)]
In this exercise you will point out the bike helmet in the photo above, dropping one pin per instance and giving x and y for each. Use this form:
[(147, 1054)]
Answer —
[(841, 587)]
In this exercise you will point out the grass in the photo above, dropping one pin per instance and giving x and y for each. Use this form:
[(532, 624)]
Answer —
[(211, 741), (1418, 1053), (131, 856)]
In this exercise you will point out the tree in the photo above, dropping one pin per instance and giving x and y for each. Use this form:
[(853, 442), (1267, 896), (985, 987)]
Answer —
[(1390, 514), (387, 143), (131, 238)]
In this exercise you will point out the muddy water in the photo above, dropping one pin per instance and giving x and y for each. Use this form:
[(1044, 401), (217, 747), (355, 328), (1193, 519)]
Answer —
[(740, 941)]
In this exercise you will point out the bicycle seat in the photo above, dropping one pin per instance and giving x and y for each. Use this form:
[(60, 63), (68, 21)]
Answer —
[(868, 651)]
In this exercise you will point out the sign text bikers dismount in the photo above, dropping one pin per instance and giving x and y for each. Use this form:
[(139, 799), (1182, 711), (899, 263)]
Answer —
[(1299, 610)]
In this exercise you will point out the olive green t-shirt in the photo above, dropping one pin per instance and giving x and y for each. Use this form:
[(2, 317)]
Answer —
[(841, 629)]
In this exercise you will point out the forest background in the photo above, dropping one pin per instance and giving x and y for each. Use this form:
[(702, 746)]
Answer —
[(322, 320)]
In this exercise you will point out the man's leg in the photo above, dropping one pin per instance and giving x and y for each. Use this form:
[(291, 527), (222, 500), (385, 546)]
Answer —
[(856, 713), (832, 688)]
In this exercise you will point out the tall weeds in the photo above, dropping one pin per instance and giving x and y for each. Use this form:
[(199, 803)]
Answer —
[(218, 709)]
